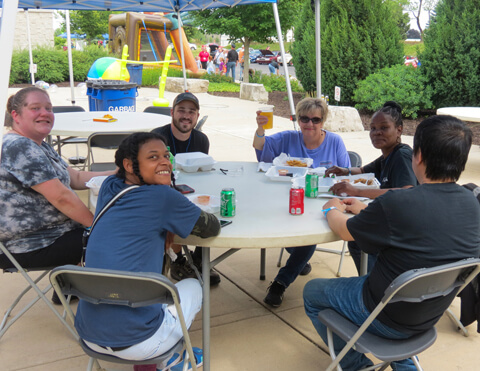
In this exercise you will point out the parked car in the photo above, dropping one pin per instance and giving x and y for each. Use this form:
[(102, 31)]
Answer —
[(266, 57), (192, 46), (288, 58), (254, 54)]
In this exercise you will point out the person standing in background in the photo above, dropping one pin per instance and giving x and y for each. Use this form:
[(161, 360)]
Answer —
[(204, 57), (232, 61)]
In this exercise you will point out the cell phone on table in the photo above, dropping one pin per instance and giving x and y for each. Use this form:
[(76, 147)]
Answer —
[(184, 189), (224, 223)]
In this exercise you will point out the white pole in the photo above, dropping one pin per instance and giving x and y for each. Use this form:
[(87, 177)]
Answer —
[(32, 68), (182, 54), (318, 48), (7, 29), (69, 51), (285, 68)]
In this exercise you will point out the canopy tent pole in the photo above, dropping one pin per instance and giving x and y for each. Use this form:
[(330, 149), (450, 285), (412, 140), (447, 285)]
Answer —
[(32, 71), (69, 51), (318, 48), (182, 54), (285, 68), (7, 24)]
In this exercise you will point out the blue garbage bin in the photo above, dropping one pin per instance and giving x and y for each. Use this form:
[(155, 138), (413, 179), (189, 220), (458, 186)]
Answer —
[(115, 96), (92, 104), (135, 71)]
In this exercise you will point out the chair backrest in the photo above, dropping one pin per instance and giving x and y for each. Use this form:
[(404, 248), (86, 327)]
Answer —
[(417, 285), (59, 109), (355, 159), (159, 110), (104, 141), (105, 286), (200, 123)]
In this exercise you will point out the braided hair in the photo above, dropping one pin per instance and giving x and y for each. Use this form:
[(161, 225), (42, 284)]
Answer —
[(129, 149), (394, 110), (17, 101)]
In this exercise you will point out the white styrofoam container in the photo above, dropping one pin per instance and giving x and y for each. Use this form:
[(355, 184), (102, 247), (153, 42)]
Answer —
[(353, 179), (191, 162), (297, 172)]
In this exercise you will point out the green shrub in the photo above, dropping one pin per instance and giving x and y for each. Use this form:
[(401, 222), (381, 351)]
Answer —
[(451, 60), (222, 86), (151, 76), (403, 84)]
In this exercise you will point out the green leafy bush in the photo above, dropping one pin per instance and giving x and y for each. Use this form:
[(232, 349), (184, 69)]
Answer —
[(151, 76), (222, 86), (403, 84), (451, 60)]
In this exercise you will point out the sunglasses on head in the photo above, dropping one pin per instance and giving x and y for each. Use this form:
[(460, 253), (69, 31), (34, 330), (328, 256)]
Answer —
[(306, 119)]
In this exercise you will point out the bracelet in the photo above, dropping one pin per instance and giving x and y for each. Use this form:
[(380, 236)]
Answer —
[(325, 212), (259, 136)]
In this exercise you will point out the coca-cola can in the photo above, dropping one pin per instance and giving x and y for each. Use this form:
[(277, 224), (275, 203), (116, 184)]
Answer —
[(296, 201)]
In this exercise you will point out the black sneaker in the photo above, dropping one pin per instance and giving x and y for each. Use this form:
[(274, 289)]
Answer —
[(274, 297), (214, 276), (306, 269), (180, 269)]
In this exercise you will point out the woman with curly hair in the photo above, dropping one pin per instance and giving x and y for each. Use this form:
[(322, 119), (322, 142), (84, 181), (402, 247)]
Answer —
[(132, 236)]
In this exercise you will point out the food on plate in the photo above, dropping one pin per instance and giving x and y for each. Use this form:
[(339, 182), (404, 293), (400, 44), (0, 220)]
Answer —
[(345, 180), (203, 200), (360, 180), (370, 182), (282, 172), (105, 118), (297, 163)]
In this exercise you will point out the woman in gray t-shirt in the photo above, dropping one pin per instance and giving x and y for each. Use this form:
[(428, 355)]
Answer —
[(41, 217)]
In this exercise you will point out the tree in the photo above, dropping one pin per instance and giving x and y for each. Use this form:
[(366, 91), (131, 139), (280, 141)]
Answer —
[(247, 23), (415, 8), (91, 23), (413, 34), (451, 59), (359, 37)]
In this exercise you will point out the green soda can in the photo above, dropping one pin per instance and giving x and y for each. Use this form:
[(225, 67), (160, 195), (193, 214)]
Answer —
[(311, 185), (227, 202)]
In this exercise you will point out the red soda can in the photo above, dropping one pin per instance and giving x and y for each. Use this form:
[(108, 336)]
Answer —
[(296, 201)]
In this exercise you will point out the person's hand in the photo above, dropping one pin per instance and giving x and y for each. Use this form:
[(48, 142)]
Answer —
[(335, 202), (353, 205), (344, 188), (261, 120), (336, 170)]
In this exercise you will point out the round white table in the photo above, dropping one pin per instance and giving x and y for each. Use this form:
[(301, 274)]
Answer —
[(463, 113), (262, 221), (81, 124)]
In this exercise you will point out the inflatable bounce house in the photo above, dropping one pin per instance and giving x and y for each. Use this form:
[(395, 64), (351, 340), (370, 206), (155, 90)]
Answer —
[(148, 36)]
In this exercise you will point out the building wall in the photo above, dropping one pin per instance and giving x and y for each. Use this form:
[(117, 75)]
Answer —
[(41, 29)]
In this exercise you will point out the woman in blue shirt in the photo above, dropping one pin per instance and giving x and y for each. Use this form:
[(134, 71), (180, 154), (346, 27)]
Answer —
[(132, 236), (325, 148)]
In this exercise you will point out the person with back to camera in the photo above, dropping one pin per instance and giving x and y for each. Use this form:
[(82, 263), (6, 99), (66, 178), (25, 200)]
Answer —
[(313, 142), (181, 136), (232, 61), (42, 218), (393, 168), (132, 236), (432, 224)]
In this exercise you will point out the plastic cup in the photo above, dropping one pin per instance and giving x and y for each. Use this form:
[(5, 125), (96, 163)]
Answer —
[(268, 112)]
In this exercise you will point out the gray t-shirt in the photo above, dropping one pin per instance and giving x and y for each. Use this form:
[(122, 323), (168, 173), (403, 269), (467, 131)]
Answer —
[(28, 221)]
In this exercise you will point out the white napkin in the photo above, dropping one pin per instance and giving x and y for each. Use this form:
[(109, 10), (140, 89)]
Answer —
[(264, 166)]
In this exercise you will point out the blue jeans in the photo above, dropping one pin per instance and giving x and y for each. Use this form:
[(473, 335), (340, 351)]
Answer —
[(356, 254), (271, 69), (299, 257), (344, 295), (231, 66)]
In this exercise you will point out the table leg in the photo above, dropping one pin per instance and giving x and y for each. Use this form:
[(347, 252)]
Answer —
[(263, 253), (206, 308), (363, 264)]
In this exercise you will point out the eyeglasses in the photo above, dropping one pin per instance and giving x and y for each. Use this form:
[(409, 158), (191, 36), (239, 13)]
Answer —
[(314, 120)]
